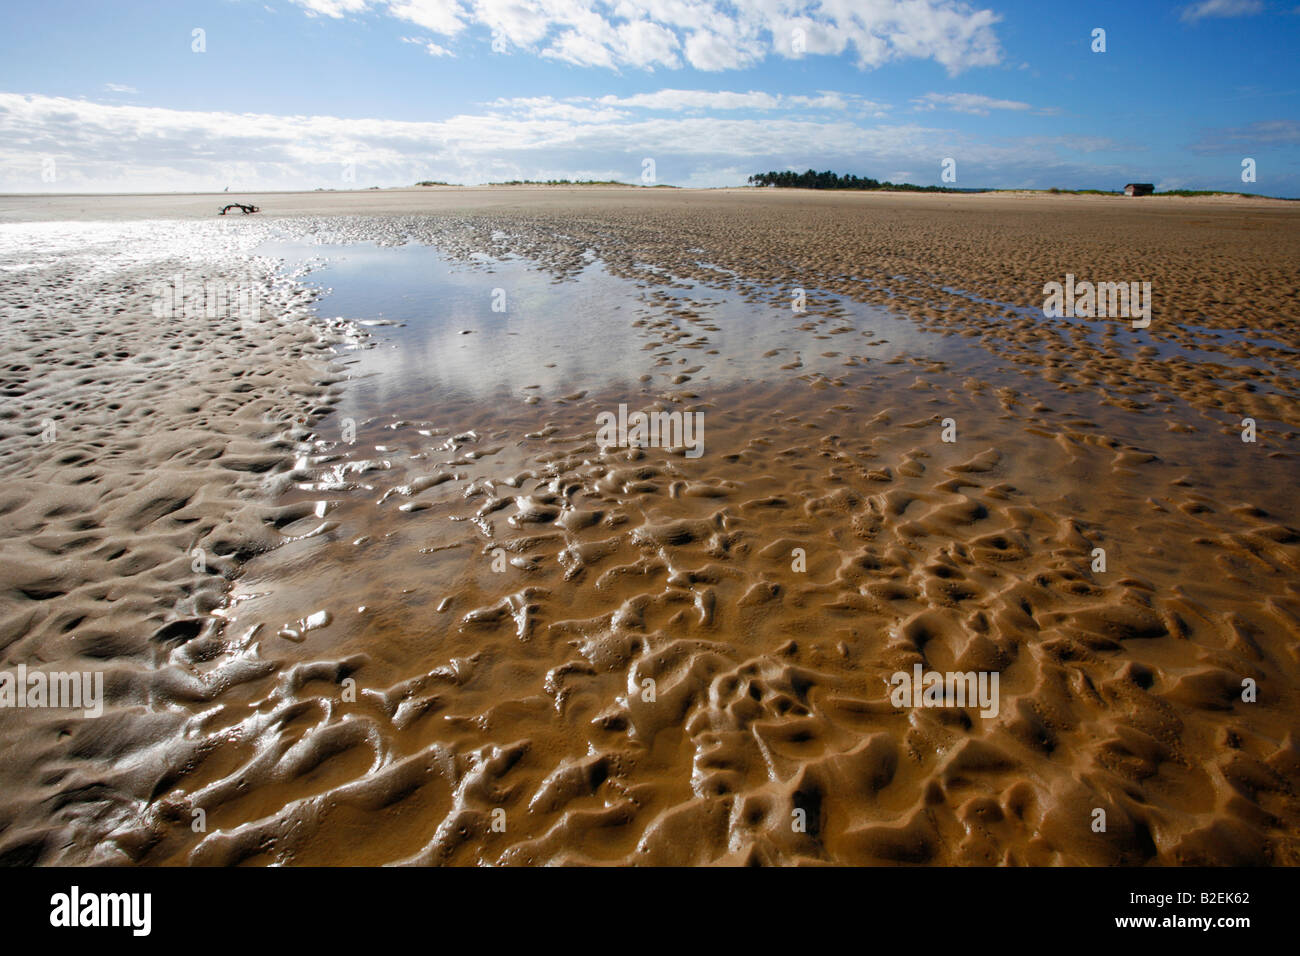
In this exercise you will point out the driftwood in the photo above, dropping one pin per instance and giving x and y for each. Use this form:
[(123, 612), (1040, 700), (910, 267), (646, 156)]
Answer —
[(239, 205)]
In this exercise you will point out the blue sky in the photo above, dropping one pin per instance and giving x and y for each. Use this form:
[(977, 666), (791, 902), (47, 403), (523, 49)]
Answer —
[(354, 93)]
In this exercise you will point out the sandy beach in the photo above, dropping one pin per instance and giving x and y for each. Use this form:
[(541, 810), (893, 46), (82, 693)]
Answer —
[(367, 585)]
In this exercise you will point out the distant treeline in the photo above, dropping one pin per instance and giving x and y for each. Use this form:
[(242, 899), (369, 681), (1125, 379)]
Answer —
[(830, 180)]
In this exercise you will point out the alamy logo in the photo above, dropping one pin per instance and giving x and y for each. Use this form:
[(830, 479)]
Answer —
[(1103, 300), (77, 690), (652, 429), (206, 298), (958, 689), (74, 908)]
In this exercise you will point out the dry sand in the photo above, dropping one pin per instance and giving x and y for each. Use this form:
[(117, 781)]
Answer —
[(353, 683)]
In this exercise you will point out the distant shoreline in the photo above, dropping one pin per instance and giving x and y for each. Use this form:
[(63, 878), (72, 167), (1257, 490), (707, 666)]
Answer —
[(1187, 195)]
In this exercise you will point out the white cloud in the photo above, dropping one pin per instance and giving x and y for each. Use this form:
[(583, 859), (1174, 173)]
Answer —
[(823, 101), (706, 50), (107, 147), (440, 16), (571, 110), (332, 8), (974, 103), (1260, 135), (522, 22), (1221, 8), (579, 49), (119, 88), (673, 100), (433, 49), (801, 36), (696, 100), (645, 44), (709, 35), (950, 33)]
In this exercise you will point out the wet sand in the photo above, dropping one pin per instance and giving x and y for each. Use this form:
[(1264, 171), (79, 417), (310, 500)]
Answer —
[(476, 635)]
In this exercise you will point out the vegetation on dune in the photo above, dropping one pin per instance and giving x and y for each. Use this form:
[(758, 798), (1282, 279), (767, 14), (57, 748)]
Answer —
[(809, 179), (1119, 192), (561, 182), (549, 182), (1211, 192)]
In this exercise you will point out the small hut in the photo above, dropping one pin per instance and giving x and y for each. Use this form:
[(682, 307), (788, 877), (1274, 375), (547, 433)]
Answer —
[(1139, 189)]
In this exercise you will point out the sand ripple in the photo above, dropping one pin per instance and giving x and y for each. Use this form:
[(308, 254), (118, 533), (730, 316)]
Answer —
[(477, 636)]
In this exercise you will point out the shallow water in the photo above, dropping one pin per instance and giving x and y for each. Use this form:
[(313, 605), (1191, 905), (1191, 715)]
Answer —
[(505, 329)]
